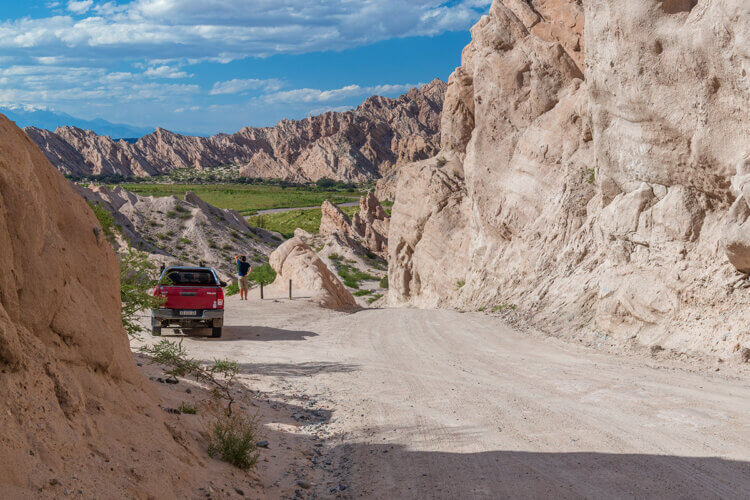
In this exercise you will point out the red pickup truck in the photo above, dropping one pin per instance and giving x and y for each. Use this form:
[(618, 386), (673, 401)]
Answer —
[(194, 299)]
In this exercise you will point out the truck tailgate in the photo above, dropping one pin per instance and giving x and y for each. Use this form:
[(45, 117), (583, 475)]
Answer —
[(190, 297)]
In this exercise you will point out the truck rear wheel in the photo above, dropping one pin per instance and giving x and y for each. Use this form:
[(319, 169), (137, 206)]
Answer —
[(215, 332), (156, 331)]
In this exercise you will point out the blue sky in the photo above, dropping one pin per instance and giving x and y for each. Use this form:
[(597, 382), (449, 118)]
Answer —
[(207, 66)]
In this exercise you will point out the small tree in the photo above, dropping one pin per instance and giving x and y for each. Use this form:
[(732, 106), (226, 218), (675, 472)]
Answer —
[(232, 436), (136, 281)]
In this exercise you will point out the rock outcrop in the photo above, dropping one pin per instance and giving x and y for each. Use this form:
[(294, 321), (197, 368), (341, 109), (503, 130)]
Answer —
[(366, 231), (182, 232), (75, 412), (356, 145), (597, 205), (294, 260)]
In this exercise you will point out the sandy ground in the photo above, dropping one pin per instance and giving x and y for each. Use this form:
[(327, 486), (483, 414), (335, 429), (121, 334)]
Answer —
[(403, 403)]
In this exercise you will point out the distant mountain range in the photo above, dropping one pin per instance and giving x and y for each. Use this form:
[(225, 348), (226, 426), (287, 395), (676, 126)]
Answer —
[(362, 144), (51, 120)]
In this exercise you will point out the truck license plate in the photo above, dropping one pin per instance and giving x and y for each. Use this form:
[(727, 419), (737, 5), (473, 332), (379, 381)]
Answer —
[(188, 313)]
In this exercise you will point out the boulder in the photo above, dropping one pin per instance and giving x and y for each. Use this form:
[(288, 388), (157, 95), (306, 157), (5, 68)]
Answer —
[(295, 260)]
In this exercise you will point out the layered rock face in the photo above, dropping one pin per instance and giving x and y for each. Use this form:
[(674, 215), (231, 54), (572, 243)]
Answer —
[(356, 145), (72, 403), (294, 260), (182, 232), (597, 205), (366, 231)]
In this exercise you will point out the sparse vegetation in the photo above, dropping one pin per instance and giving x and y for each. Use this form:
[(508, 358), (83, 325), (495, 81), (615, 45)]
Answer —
[(137, 278), (460, 284), (219, 375), (286, 222), (374, 298), (246, 198), (590, 175), (232, 289), (351, 276), (504, 307), (384, 282), (362, 293), (233, 439), (106, 221), (232, 436), (188, 409), (262, 274), (441, 161)]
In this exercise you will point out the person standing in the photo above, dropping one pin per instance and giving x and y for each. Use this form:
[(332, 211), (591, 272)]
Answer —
[(243, 270)]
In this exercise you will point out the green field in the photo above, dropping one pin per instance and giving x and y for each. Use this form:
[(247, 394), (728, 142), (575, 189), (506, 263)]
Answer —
[(286, 222), (248, 198)]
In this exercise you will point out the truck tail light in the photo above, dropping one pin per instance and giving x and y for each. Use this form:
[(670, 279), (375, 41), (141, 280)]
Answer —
[(220, 299)]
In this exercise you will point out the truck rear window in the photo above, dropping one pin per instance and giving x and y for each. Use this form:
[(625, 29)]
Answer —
[(195, 277)]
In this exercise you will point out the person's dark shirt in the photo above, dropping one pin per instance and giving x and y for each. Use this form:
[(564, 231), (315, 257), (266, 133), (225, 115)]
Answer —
[(242, 268)]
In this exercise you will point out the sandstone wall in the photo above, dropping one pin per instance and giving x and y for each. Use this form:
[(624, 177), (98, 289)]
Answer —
[(597, 205), (72, 403)]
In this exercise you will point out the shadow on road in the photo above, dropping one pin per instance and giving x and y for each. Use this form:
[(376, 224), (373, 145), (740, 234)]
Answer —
[(261, 334), (399, 472), (295, 369)]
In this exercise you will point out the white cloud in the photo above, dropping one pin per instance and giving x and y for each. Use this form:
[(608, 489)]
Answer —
[(333, 95), (79, 6), (50, 85), (231, 29), (165, 72), (241, 86)]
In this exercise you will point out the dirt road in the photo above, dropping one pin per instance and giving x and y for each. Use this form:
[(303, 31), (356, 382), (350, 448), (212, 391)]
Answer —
[(439, 404)]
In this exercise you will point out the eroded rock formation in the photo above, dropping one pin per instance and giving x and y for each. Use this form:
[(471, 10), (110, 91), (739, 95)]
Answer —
[(182, 232), (72, 403), (366, 231), (356, 145), (597, 205), (294, 260)]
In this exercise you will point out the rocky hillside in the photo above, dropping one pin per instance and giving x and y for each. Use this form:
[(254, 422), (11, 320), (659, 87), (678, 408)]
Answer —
[(604, 201), (183, 232), (356, 145), (77, 417)]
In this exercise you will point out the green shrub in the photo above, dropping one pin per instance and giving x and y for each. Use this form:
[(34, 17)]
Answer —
[(374, 298), (226, 246), (362, 293), (233, 439), (106, 221), (384, 282), (441, 161), (188, 409), (262, 274), (504, 307), (232, 289), (590, 175), (137, 278), (212, 244), (171, 214), (460, 284), (185, 241)]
